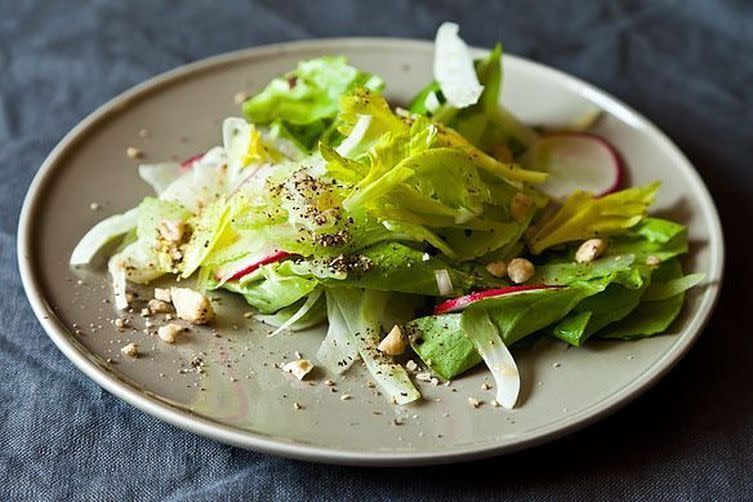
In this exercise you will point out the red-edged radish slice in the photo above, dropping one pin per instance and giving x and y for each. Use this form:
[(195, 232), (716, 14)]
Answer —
[(576, 161), (251, 265), (457, 304), (187, 164)]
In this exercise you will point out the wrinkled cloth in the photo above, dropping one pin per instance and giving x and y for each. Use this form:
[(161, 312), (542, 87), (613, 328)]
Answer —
[(685, 64)]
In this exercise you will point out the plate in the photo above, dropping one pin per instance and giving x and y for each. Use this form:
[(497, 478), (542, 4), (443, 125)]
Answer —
[(225, 385)]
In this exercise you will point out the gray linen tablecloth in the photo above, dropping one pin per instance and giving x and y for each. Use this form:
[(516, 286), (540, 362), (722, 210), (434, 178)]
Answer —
[(687, 65)]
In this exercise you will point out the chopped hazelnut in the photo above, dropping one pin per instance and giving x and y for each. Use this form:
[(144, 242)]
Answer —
[(394, 343), (423, 377), (590, 250), (520, 270), (653, 261), (299, 368), (131, 350), (497, 268), (158, 306), (94, 206), (411, 365), (474, 402), (163, 295), (520, 206), (134, 153), (172, 230), (192, 306), (240, 97), (169, 333)]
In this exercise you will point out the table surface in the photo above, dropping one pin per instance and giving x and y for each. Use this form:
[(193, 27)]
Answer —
[(684, 64)]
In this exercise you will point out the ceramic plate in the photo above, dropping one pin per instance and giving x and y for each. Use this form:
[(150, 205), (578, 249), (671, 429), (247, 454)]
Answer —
[(241, 398)]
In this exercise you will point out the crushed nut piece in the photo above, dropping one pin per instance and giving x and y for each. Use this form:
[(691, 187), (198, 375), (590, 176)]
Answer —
[(134, 152), (299, 368), (394, 343), (411, 365), (94, 206), (520, 206), (240, 97), (329, 383), (144, 133), (131, 350), (297, 405), (485, 386), (370, 384), (120, 323), (192, 306), (169, 333), (248, 315), (158, 306), (653, 261), (497, 268), (172, 230), (520, 270), (474, 402), (344, 397), (590, 250), (495, 403), (423, 377), (163, 295), (145, 312)]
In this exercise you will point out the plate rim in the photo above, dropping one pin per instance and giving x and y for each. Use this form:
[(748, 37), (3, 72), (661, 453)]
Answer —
[(280, 447)]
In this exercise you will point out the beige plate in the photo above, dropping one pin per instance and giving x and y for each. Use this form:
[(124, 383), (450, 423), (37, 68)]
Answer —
[(246, 401)]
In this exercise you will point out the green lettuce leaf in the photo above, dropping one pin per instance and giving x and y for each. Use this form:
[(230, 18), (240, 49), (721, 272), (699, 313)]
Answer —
[(276, 286), (654, 316), (306, 100), (584, 216), (441, 343)]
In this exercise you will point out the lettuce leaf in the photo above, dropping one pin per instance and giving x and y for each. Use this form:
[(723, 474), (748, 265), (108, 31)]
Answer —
[(306, 100), (441, 342), (584, 216), (276, 286), (655, 313)]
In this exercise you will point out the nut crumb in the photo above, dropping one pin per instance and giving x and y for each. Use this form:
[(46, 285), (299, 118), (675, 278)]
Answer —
[(163, 295), (520, 270), (394, 343), (158, 307), (497, 268), (131, 350), (329, 383), (248, 315), (144, 133), (240, 97), (94, 206), (411, 365), (134, 152), (423, 377), (653, 261), (299, 368), (344, 397), (169, 333), (475, 403), (590, 250), (495, 403), (297, 405), (192, 306), (485, 386)]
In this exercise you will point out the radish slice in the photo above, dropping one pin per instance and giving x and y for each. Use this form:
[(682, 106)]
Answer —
[(576, 161), (187, 164), (462, 302), (254, 263)]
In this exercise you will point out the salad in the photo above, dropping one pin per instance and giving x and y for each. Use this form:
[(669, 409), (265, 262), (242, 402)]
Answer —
[(446, 231)]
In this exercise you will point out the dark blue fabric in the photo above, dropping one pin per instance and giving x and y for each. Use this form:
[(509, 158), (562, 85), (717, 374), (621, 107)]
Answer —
[(687, 65)]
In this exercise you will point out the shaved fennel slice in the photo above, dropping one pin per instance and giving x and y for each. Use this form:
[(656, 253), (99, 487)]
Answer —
[(366, 319), (453, 68), (308, 305), (337, 352), (160, 176), (482, 332), (116, 268), (102, 233)]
